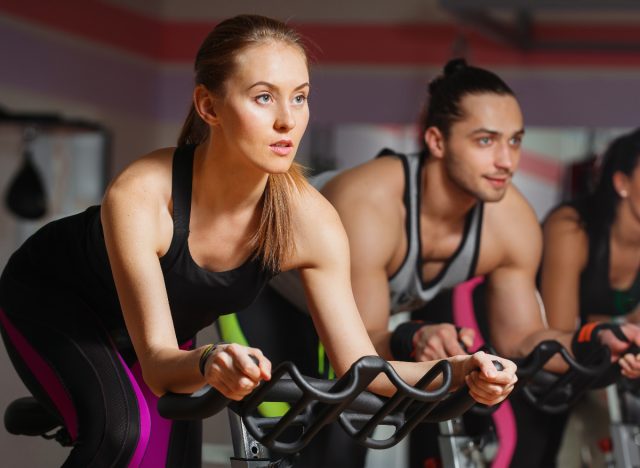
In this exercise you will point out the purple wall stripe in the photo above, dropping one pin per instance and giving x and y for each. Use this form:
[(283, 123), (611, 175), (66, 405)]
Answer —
[(45, 375), (85, 73), (142, 89), (359, 96)]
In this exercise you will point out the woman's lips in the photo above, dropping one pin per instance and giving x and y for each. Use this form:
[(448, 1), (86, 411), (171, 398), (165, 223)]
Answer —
[(282, 148)]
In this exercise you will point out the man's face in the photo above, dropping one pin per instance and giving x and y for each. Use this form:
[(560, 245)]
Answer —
[(482, 150)]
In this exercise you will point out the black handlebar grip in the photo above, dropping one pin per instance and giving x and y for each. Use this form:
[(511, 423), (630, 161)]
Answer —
[(198, 405), (633, 349)]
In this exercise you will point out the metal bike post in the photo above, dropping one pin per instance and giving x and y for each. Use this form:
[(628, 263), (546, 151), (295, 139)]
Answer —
[(625, 437), (457, 449), (247, 452)]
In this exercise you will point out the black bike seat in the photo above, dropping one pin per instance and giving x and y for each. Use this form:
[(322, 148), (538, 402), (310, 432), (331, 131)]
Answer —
[(27, 416)]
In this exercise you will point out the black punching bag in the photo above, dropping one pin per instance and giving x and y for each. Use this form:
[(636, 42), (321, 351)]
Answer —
[(26, 197)]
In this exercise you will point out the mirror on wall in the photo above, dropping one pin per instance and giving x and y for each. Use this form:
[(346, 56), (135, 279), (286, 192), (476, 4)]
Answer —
[(50, 167)]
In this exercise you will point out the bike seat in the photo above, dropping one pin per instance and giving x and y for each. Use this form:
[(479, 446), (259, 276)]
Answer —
[(27, 416)]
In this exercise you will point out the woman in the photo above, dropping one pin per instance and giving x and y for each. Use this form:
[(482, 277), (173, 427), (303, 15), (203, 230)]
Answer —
[(591, 263), (99, 325)]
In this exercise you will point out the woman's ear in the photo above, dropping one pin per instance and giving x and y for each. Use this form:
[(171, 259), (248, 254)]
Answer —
[(621, 183), (434, 140), (204, 103)]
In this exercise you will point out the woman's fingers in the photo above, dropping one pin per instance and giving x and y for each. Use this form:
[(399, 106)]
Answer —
[(485, 392), (264, 365), (488, 371), (235, 373), (630, 365), (486, 383)]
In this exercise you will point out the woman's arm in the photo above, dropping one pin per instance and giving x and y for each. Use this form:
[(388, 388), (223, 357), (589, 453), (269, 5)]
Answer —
[(564, 257), (322, 254), (566, 251), (137, 229)]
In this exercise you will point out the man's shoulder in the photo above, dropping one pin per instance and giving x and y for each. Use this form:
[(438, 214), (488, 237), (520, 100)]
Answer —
[(379, 182)]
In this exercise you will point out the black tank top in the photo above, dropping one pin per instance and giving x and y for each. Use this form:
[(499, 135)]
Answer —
[(597, 296), (69, 256)]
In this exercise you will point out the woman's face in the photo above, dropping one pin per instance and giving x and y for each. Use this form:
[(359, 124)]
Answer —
[(264, 113)]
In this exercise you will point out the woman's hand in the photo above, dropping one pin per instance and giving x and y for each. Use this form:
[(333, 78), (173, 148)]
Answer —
[(232, 371), (487, 384), (629, 362)]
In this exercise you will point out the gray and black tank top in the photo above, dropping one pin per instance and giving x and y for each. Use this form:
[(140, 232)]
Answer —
[(407, 290)]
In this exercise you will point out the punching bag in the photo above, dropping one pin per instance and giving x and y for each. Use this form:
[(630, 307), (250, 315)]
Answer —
[(26, 197)]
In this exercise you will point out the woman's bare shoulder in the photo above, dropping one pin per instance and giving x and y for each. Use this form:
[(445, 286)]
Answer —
[(149, 174)]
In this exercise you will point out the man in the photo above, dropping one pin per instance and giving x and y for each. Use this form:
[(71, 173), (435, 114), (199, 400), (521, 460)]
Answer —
[(420, 224)]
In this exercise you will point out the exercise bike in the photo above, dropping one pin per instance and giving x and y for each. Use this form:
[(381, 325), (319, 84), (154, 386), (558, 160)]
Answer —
[(458, 449), (554, 394), (258, 441), (266, 442)]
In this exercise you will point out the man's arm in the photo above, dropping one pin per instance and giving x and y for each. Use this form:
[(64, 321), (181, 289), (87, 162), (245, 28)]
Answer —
[(371, 213), (515, 319), (369, 202), (514, 246), (322, 254)]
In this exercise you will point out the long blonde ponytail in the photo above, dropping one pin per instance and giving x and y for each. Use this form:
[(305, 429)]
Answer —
[(215, 63)]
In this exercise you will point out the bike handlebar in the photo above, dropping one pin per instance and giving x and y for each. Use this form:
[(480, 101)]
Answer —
[(317, 402), (555, 393)]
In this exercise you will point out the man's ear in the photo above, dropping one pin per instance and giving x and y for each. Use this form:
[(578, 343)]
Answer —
[(204, 102), (434, 140)]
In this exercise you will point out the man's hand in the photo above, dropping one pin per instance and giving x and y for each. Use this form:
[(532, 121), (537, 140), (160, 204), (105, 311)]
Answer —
[(629, 363), (440, 341)]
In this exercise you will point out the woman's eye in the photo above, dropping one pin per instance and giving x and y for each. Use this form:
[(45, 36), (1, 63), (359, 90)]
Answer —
[(263, 99), (300, 99)]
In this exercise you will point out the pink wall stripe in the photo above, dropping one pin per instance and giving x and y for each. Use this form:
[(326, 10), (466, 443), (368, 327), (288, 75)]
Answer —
[(391, 44), (96, 21), (503, 418), (542, 167), (45, 375)]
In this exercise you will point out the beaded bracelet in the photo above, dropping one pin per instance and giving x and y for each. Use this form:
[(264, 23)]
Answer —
[(206, 352)]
